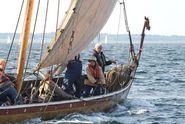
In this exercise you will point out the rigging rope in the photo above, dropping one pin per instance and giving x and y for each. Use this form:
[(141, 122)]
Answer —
[(56, 29), (119, 22), (58, 12), (33, 34), (71, 40), (99, 34), (14, 33), (73, 28), (43, 37), (42, 45), (31, 44), (52, 94), (56, 83), (125, 16), (128, 30)]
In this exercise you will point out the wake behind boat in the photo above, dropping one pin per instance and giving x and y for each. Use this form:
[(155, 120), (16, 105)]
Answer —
[(82, 22)]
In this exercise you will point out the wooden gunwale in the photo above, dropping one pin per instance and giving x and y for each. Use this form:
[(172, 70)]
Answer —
[(85, 105)]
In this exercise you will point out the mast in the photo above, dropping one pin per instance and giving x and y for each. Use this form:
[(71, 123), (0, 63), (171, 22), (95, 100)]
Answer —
[(24, 44)]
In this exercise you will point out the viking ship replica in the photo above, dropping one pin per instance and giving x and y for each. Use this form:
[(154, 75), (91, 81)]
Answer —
[(82, 22)]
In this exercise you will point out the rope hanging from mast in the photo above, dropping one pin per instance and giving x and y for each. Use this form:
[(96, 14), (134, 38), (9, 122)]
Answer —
[(51, 74), (43, 37), (118, 23), (56, 29), (74, 24), (128, 30), (14, 33), (41, 51), (58, 12)]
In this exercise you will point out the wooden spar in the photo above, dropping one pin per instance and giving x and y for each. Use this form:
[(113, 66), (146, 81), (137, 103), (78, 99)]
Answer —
[(145, 26), (24, 44)]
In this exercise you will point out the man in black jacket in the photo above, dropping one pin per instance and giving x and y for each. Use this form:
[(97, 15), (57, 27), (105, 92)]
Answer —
[(101, 59)]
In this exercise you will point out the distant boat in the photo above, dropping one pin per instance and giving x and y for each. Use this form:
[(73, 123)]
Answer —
[(99, 36), (8, 40), (83, 21), (105, 41)]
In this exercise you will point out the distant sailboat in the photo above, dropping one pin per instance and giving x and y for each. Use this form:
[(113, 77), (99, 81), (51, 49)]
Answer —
[(8, 40), (105, 41), (100, 39)]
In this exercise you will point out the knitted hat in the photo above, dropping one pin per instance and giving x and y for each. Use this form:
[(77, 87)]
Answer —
[(92, 58)]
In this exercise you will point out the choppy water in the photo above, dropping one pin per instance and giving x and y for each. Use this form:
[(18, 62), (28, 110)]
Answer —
[(157, 94)]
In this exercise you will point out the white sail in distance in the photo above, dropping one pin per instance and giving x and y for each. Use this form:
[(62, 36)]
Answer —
[(8, 40), (105, 41)]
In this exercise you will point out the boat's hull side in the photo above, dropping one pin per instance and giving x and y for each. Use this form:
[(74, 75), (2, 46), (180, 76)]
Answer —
[(11, 114)]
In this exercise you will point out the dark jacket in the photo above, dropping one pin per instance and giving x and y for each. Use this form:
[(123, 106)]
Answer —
[(101, 59), (74, 70)]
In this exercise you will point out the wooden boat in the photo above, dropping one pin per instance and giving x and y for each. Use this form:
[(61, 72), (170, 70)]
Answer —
[(70, 39)]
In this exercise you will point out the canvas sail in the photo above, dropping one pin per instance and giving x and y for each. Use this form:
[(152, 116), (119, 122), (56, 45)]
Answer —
[(83, 21)]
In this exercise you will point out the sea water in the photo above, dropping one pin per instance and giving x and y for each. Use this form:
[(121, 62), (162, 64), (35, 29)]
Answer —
[(156, 96)]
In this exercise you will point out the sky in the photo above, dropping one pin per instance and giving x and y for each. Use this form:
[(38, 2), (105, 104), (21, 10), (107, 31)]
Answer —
[(166, 16)]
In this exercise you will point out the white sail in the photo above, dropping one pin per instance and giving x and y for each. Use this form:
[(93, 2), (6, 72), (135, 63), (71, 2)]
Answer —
[(83, 21), (8, 40), (105, 41)]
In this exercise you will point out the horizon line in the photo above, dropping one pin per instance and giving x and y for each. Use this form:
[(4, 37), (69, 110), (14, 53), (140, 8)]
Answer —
[(109, 34)]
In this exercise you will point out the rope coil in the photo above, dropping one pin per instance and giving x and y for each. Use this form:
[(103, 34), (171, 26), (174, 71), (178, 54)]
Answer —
[(118, 77)]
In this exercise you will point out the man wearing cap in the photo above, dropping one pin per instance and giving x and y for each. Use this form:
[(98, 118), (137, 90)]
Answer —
[(101, 59), (7, 90), (95, 81)]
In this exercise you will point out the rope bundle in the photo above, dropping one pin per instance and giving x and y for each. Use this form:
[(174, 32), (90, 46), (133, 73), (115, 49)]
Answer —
[(117, 77)]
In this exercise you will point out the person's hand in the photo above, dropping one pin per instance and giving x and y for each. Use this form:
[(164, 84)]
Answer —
[(113, 61), (97, 82), (103, 85)]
